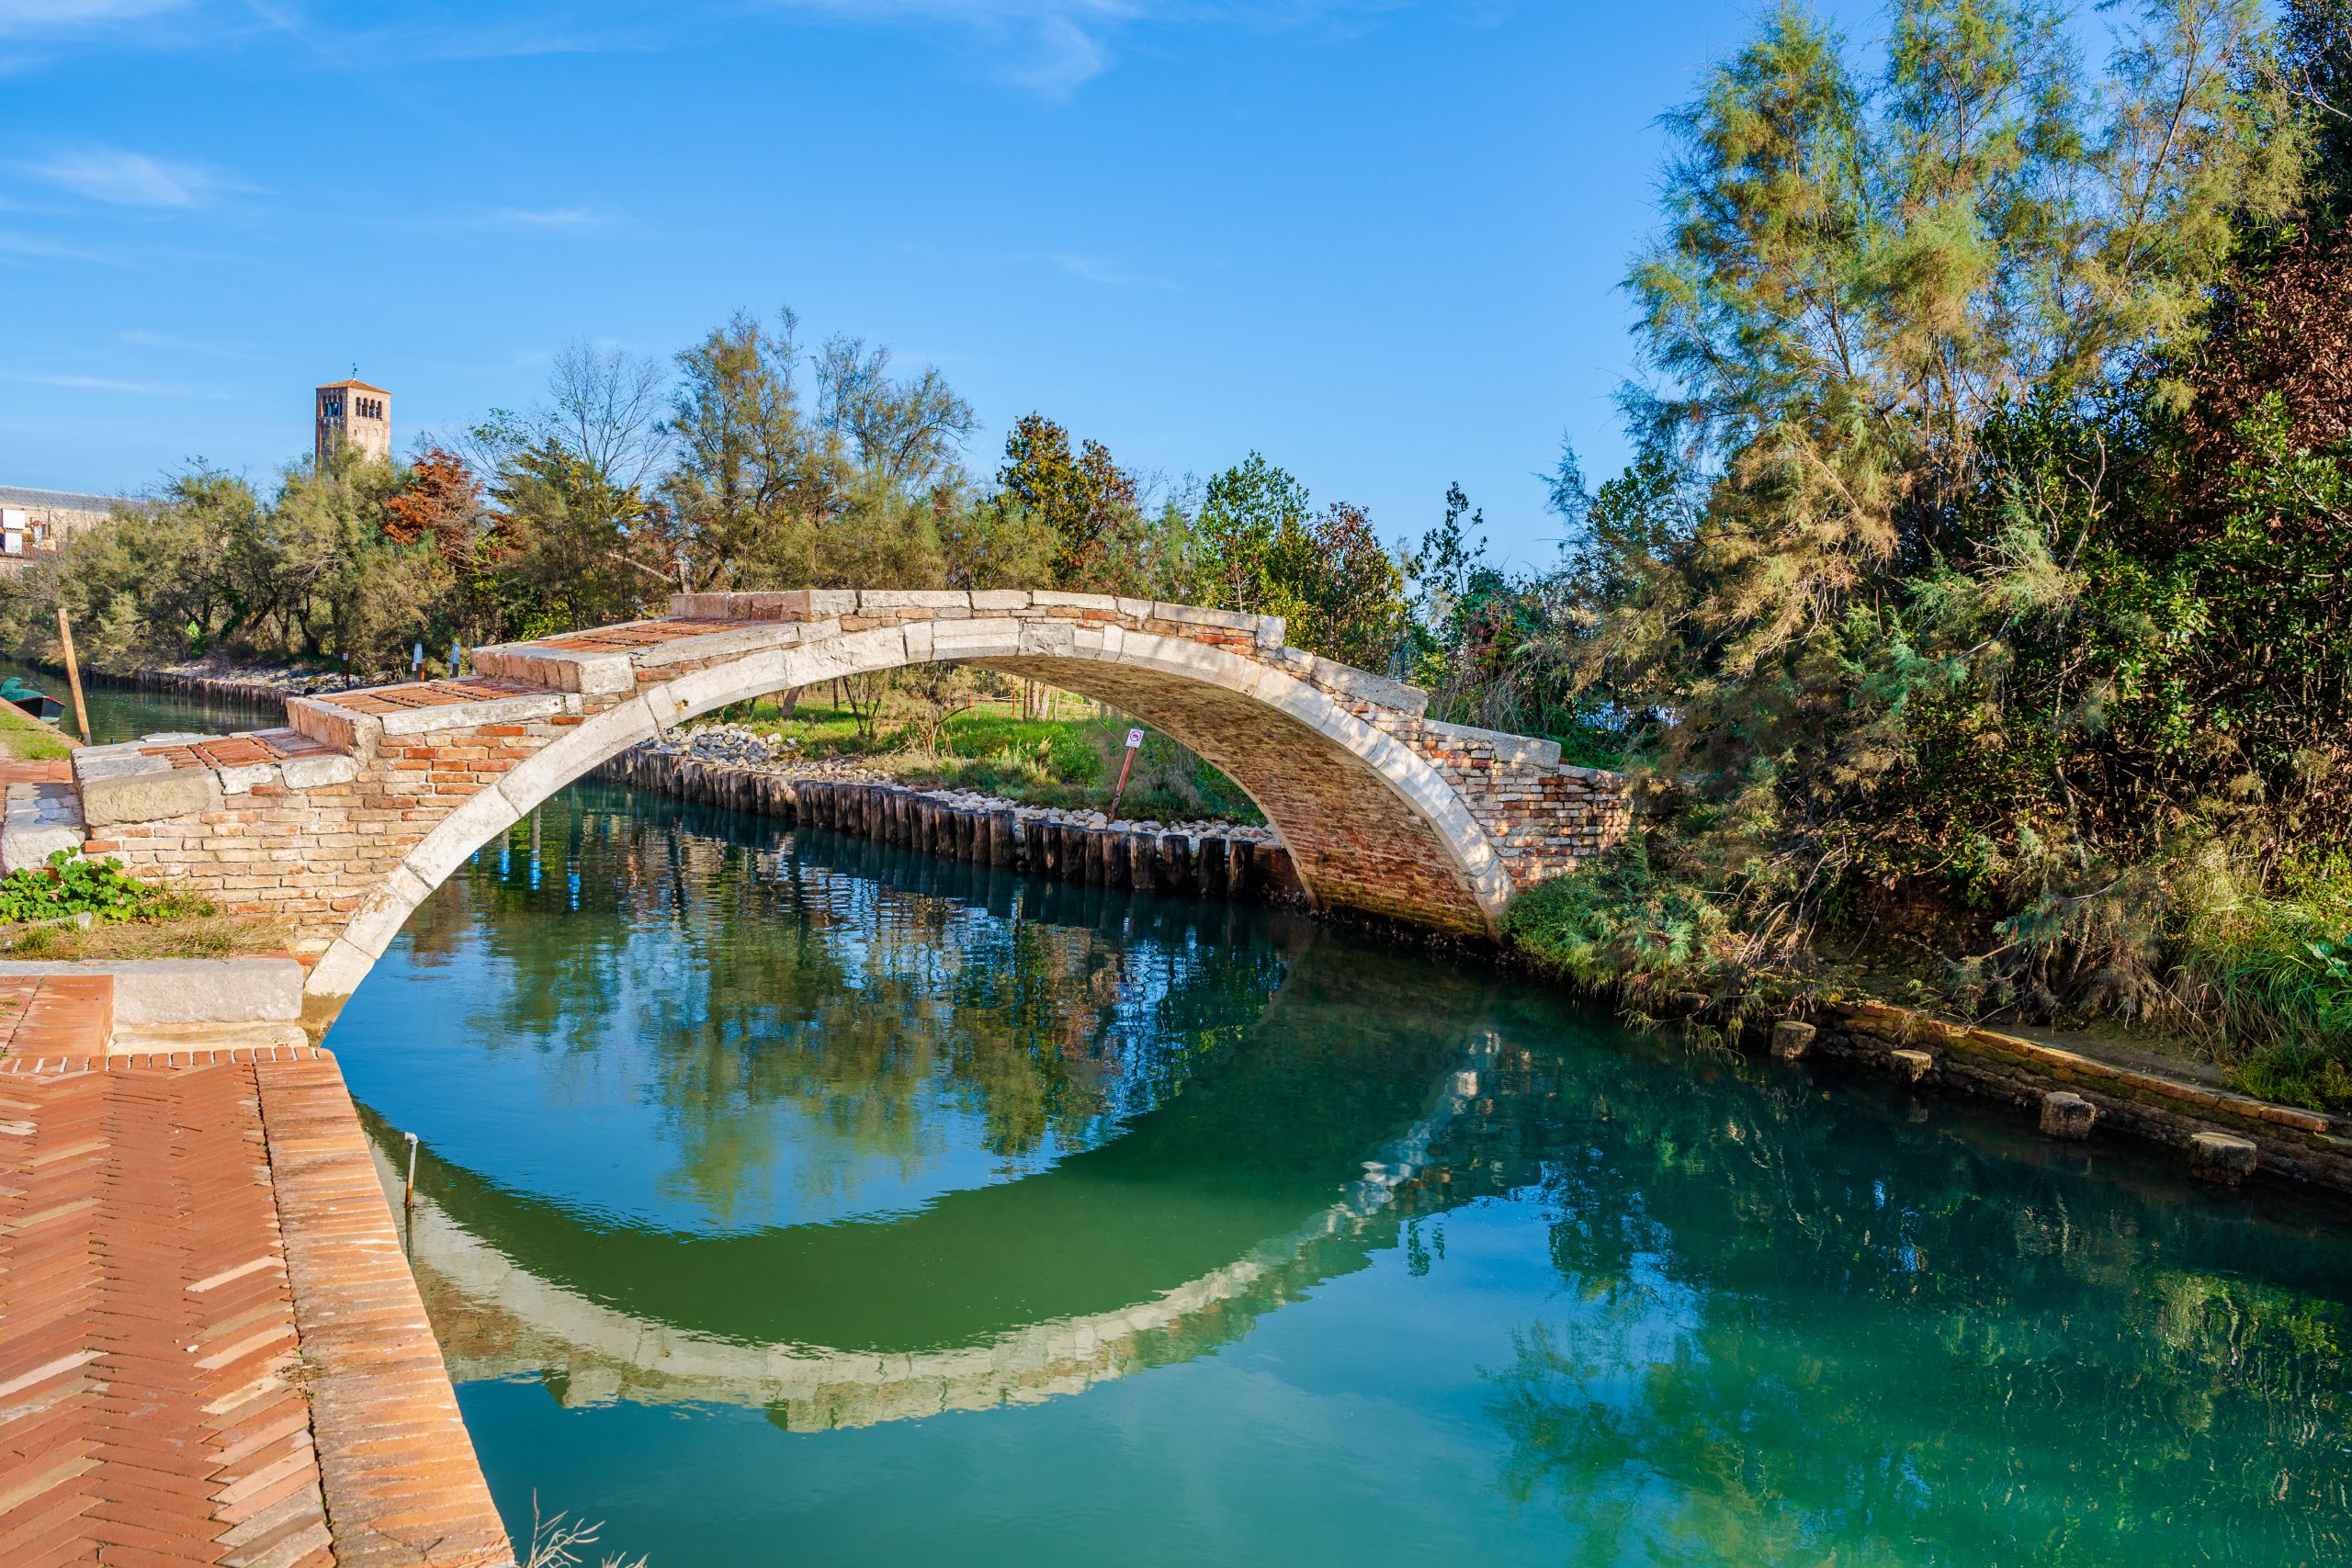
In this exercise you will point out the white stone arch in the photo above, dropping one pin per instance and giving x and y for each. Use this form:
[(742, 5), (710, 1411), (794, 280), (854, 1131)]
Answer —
[(806, 655)]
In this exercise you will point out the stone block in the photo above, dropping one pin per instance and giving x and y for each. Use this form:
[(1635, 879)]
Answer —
[(124, 759), (151, 992), (149, 796), (560, 668), (1047, 640), (1045, 599), (1911, 1066), (1000, 599), (986, 637), (1520, 750), (31, 844), (733, 642), (2223, 1158), (879, 600), (318, 773), (2065, 1115), (1791, 1039)]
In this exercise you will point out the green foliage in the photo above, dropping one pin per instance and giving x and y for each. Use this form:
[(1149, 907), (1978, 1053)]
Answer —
[(1087, 503), (1961, 570), (1265, 552), (70, 884), (1620, 929)]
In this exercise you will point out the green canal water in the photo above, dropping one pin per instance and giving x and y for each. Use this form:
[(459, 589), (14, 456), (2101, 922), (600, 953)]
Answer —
[(785, 1199), (121, 712)]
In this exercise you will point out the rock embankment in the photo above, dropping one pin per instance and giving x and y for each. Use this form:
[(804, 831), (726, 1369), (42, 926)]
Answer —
[(224, 680), (741, 770)]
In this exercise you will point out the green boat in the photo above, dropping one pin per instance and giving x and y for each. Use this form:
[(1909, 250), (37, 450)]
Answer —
[(40, 704)]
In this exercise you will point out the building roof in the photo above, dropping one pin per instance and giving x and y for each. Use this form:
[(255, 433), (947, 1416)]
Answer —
[(354, 383), (68, 500)]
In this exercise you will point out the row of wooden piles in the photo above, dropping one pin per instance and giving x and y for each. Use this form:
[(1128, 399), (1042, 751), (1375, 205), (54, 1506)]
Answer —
[(1208, 866)]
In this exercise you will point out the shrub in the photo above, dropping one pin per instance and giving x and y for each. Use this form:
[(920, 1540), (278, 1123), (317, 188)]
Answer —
[(71, 885), (1619, 927)]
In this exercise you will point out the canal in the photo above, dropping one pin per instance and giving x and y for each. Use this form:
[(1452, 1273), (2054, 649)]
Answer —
[(788, 1199), (785, 1199)]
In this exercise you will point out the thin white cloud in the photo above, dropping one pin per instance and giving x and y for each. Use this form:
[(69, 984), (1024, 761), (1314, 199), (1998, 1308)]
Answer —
[(18, 17), (34, 245), (142, 339), (123, 179), (108, 384), (1094, 269), (551, 217), (1054, 46)]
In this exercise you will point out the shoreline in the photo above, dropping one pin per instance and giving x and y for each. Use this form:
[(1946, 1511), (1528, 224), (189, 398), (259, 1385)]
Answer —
[(2226, 1138)]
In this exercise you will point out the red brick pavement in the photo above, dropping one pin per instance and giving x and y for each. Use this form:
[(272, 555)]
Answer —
[(47, 1018), (202, 1287), (416, 695), (244, 750)]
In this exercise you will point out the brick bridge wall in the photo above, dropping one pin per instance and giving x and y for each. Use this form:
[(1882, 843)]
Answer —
[(341, 822)]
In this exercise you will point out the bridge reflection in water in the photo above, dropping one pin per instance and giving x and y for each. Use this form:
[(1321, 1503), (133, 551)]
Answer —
[(756, 1126), (1232, 1121)]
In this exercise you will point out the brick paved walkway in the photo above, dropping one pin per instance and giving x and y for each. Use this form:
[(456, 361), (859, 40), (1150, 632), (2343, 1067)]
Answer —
[(46, 1019), (210, 1348)]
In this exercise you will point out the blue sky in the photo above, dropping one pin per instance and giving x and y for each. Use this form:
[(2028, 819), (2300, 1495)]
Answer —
[(1378, 239)]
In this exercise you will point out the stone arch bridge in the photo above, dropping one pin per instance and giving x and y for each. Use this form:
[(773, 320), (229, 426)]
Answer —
[(341, 822)]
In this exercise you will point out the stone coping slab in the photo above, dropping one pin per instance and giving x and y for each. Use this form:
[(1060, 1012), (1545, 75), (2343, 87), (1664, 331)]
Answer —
[(1903, 1024), (173, 775), (150, 992), (1525, 751), (915, 604)]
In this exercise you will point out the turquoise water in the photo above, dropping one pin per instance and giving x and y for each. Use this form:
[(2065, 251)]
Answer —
[(785, 1199)]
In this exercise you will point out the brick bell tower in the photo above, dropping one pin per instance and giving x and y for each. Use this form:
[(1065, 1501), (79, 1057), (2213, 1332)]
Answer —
[(352, 413)]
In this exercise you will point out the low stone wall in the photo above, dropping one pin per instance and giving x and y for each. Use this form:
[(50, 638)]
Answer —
[(1204, 865), (2224, 1138)]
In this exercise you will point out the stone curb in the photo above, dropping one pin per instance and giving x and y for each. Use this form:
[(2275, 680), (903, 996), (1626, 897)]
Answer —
[(162, 991), (2073, 1095)]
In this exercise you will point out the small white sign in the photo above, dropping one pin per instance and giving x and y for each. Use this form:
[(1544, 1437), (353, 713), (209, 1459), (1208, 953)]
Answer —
[(1135, 739)]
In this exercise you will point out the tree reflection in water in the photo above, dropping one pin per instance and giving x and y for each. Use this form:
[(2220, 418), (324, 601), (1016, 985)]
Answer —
[(761, 977), (1965, 1355)]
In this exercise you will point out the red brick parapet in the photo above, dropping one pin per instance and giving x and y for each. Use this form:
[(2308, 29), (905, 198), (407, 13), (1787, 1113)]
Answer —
[(341, 822)]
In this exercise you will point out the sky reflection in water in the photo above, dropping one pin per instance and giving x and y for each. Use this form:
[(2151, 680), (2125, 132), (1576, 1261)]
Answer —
[(1255, 1241)]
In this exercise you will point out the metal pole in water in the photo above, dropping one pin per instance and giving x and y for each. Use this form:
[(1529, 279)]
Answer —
[(409, 1199)]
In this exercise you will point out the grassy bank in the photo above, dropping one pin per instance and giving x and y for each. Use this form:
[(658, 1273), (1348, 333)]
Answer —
[(1070, 760), (25, 739), (2190, 960)]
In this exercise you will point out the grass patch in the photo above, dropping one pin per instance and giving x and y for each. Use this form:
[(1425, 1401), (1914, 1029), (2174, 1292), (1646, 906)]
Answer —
[(25, 740), (74, 908), (205, 935), (1069, 762), (2276, 975)]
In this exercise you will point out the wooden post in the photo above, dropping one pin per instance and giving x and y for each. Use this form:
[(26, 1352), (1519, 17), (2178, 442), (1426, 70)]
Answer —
[(72, 672)]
